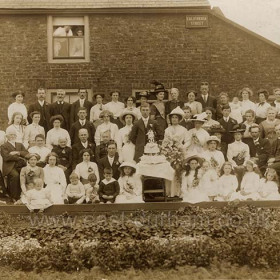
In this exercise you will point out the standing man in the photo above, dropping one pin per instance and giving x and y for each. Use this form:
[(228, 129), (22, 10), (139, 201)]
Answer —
[(60, 107), (43, 107), (138, 135), (81, 102), (205, 99)]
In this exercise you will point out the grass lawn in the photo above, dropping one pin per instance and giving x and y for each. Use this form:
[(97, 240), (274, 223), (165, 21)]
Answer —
[(216, 271)]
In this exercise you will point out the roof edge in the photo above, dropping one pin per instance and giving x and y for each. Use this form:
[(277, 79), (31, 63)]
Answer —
[(244, 29)]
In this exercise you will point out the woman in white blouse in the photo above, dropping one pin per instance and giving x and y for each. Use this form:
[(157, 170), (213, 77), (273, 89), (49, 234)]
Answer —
[(86, 167), (106, 126), (126, 149), (246, 103), (262, 106), (18, 106), (32, 130), (17, 124), (97, 109), (57, 132), (55, 179), (194, 105)]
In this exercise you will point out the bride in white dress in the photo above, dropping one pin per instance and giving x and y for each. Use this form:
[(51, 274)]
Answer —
[(126, 149), (54, 179)]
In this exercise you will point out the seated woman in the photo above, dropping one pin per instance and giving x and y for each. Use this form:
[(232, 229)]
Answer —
[(38, 198), (246, 104), (262, 106), (175, 131), (29, 173), (130, 105), (126, 148), (17, 124), (75, 191), (270, 123), (209, 122), (227, 183), (57, 132), (130, 184), (64, 154), (32, 130), (212, 154), (197, 137), (250, 183), (106, 126), (86, 167), (269, 189), (194, 105), (18, 106), (55, 179)]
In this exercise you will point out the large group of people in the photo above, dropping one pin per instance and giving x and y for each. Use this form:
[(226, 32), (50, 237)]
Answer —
[(83, 153)]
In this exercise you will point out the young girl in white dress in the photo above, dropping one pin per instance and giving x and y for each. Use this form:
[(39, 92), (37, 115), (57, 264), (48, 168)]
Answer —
[(18, 106), (38, 198), (126, 148), (227, 183), (208, 181), (269, 186), (17, 124), (55, 179), (236, 110), (250, 183), (130, 184), (190, 181)]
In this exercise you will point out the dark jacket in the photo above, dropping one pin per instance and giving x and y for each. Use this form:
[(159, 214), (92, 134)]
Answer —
[(74, 110), (64, 111), (74, 131), (76, 148), (45, 114), (227, 137), (104, 162), (64, 156)]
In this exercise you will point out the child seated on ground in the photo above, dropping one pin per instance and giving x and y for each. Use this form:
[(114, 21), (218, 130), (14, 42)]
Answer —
[(130, 184), (108, 188), (38, 198), (269, 185), (92, 189), (75, 191), (227, 183)]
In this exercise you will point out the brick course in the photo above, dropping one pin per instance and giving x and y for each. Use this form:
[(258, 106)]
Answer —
[(129, 50)]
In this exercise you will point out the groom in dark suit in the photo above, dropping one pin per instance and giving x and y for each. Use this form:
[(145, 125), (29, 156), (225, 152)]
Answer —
[(138, 134), (60, 107), (13, 154), (43, 107)]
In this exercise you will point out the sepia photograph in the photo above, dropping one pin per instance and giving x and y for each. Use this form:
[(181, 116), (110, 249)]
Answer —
[(140, 139)]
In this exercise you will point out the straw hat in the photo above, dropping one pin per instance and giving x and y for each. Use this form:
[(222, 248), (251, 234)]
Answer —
[(127, 112), (128, 164), (178, 112), (199, 117)]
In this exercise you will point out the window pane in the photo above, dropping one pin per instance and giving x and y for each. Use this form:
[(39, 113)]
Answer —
[(76, 47), (68, 20), (60, 47)]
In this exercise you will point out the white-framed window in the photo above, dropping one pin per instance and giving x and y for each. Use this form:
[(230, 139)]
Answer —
[(71, 95), (68, 39), (152, 97)]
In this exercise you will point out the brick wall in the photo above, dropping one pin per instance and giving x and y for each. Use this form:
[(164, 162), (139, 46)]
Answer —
[(127, 51)]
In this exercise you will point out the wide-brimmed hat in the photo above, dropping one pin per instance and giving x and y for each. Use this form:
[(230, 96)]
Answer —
[(216, 128), (144, 93), (213, 138), (199, 117), (236, 128), (193, 156), (177, 111), (125, 113), (159, 87), (128, 164)]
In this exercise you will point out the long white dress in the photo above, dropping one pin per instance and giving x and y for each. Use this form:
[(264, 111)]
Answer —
[(208, 182), (268, 190), (196, 140), (130, 189), (236, 111), (56, 183), (126, 148), (191, 190), (83, 169), (216, 158), (228, 185), (17, 107), (176, 132), (249, 187), (38, 199)]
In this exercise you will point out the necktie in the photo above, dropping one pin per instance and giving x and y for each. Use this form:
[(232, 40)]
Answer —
[(205, 100)]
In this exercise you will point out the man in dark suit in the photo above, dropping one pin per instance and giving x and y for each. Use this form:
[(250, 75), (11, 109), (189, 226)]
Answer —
[(82, 122), (13, 154), (81, 102), (223, 100), (262, 147), (138, 134), (228, 124), (205, 99), (83, 143), (110, 161), (43, 107), (185, 122), (60, 107)]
